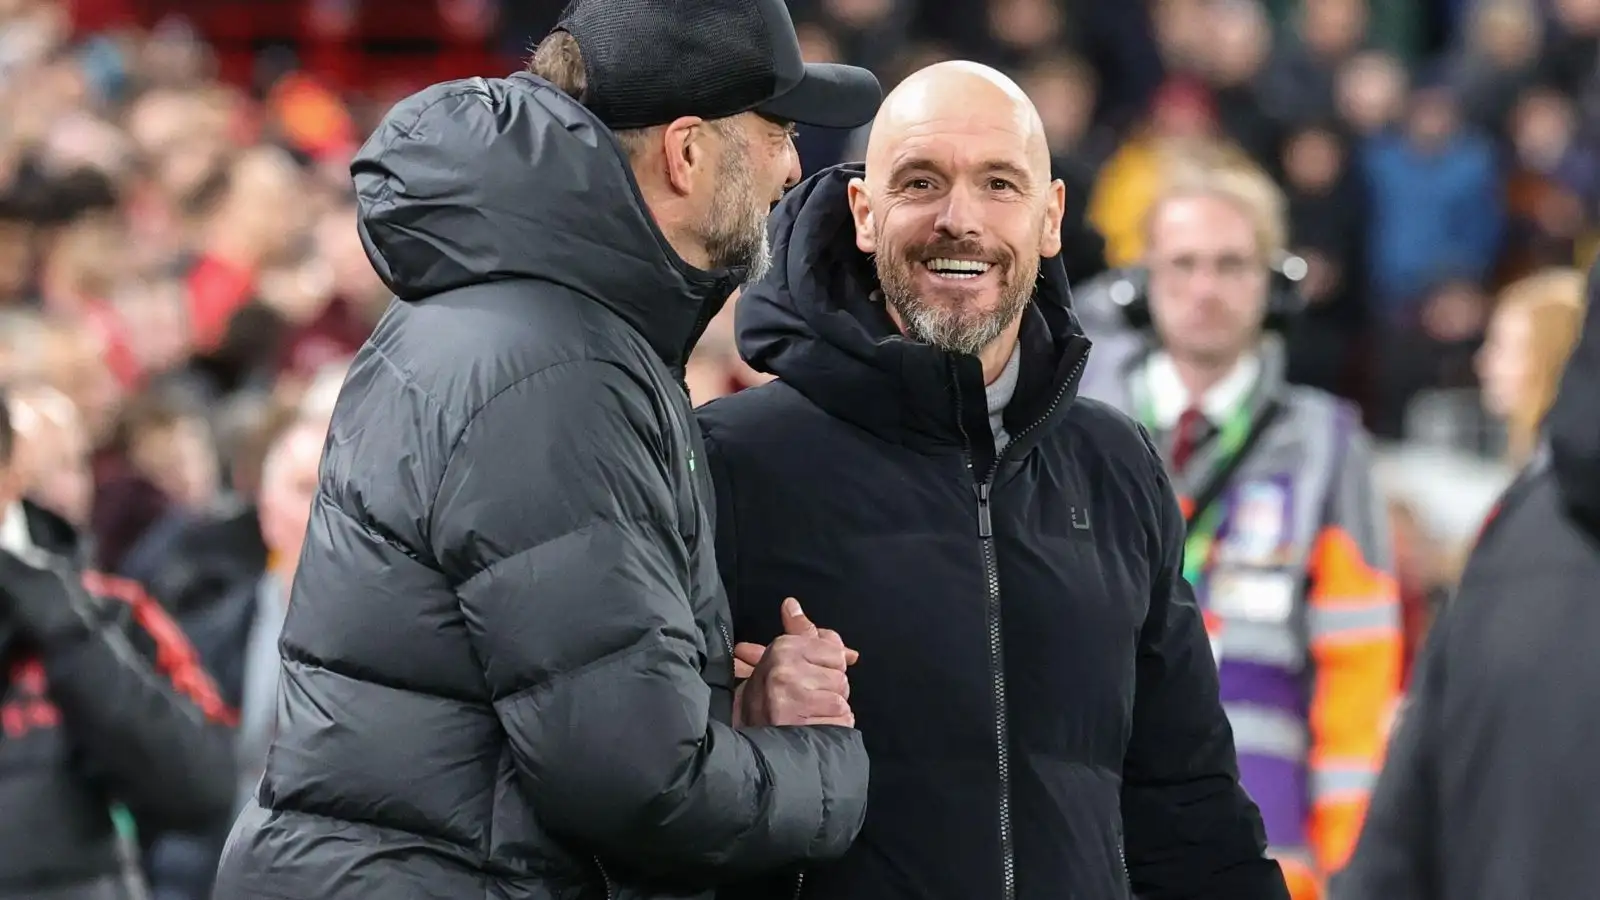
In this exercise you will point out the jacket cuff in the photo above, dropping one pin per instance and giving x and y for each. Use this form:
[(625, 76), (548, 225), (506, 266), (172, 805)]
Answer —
[(818, 779)]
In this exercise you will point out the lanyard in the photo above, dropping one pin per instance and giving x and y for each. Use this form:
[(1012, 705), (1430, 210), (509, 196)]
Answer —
[(1201, 541)]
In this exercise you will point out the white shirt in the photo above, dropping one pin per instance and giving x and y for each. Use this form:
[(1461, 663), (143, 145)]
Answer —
[(1167, 397), (14, 537)]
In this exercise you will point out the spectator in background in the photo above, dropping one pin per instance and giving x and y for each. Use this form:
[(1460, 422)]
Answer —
[(1498, 60), (1369, 92), (62, 353), (161, 468), (237, 637), (1434, 354), (1064, 90), (53, 453), (102, 705), (1299, 83), (1328, 229), (1572, 45), (1181, 117), (1532, 332), (1287, 545), (1436, 206), (249, 227), (1490, 789), (1553, 184), (1238, 46)]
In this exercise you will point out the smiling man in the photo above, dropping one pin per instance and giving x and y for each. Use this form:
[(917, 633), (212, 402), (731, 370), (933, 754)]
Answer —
[(1034, 687)]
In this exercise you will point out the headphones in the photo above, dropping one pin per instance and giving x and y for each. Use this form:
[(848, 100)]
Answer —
[(1131, 294)]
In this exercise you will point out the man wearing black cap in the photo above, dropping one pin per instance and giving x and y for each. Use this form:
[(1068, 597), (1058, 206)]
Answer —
[(507, 669)]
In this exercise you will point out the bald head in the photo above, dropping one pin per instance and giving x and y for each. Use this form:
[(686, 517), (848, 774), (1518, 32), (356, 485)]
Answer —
[(962, 96), (957, 208)]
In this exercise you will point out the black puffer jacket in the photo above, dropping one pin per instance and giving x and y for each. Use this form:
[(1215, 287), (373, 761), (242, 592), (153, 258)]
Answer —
[(1035, 684), (1490, 790), (506, 661)]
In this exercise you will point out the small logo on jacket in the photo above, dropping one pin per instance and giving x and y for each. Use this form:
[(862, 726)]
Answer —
[(1080, 518)]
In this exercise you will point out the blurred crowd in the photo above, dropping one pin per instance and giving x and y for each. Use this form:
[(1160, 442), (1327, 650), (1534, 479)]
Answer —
[(179, 258)]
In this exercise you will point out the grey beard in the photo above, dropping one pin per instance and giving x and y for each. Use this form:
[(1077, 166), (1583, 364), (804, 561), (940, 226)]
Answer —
[(948, 329)]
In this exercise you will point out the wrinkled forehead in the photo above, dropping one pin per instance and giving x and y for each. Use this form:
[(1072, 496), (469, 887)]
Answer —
[(959, 143)]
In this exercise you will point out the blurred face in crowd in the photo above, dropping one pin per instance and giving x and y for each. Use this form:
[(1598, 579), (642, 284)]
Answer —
[(1313, 160), (339, 246), (957, 207), (1238, 41), (755, 160), (181, 139), (858, 13), (155, 322), (1182, 30), (1333, 28), (1064, 93), (1504, 363), (1542, 126), (1507, 33), (1025, 24), (16, 258), (1370, 91), (1579, 16), (1433, 120), (816, 44), (266, 204), (52, 454), (1208, 280), (288, 484), (72, 360), (181, 459)]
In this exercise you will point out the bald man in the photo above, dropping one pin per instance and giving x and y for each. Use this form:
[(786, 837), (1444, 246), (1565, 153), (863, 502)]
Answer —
[(1034, 684)]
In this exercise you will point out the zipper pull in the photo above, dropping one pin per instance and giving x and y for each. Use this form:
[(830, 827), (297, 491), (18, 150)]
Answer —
[(985, 524)]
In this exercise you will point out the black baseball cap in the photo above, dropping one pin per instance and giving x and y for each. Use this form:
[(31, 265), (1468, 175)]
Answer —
[(652, 61)]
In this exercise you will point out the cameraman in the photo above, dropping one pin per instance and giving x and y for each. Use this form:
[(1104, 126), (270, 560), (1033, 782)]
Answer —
[(103, 707)]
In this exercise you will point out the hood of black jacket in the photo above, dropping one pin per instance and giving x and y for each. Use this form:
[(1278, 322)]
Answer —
[(1573, 423), (813, 322), (496, 179)]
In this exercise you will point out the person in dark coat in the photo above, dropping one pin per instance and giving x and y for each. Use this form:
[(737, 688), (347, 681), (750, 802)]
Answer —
[(1035, 686), (1490, 789), (110, 731), (507, 669)]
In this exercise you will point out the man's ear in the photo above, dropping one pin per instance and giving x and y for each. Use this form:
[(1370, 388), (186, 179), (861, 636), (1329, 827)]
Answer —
[(686, 147), (1055, 207), (861, 212)]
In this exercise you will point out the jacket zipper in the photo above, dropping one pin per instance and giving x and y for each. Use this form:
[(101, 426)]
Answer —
[(991, 572), (605, 878), (1122, 857), (799, 885)]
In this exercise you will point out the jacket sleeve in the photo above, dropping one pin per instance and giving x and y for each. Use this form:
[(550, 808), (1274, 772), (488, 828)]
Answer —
[(1353, 630), (144, 715), (558, 518), (1191, 832), (1395, 856)]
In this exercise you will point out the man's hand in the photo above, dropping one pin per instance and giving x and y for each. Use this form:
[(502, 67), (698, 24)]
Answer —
[(797, 680)]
